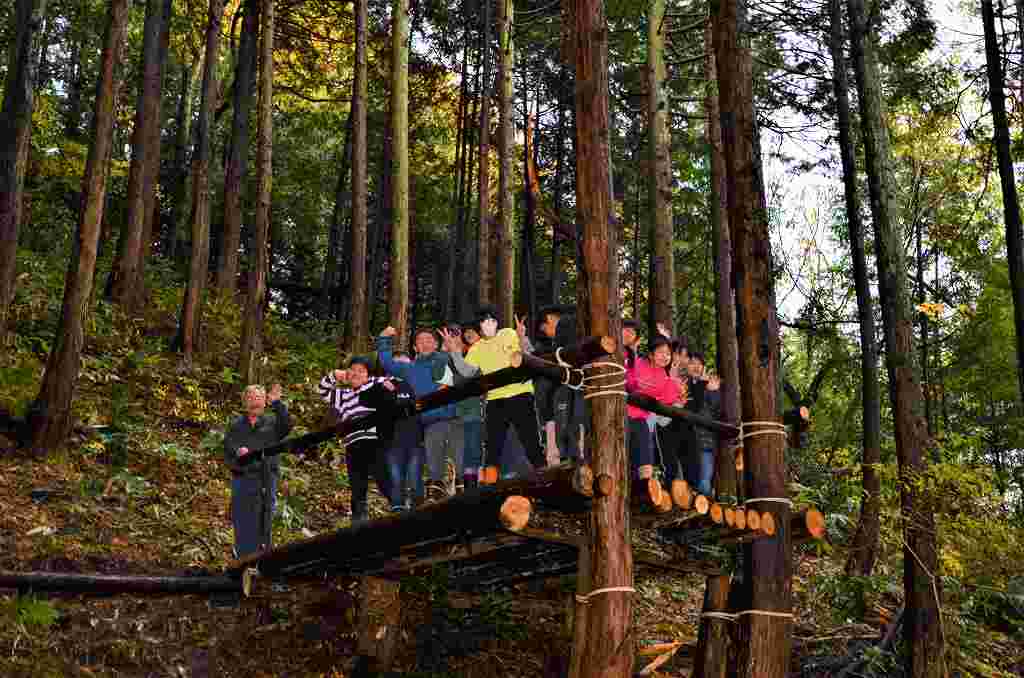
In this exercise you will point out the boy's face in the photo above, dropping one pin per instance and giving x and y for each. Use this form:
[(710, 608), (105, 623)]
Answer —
[(426, 343), (255, 403), (628, 337), (695, 368), (470, 336), (489, 327), (550, 324), (358, 375)]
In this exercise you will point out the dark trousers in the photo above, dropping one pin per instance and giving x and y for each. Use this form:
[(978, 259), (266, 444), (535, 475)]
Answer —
[(517, 411), (641, 444), (362, 459), (570, 417), (672, 442), (247, 512)]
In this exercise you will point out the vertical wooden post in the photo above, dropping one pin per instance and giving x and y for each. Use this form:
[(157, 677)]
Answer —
[(579, 610), (380, 617), (607, 648), (765, 632)]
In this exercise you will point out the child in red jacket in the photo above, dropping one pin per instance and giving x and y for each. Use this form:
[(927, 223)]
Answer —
[(650, 376)]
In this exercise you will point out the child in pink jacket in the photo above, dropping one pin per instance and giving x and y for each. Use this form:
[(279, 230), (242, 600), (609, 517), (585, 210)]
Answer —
[(649, 376)]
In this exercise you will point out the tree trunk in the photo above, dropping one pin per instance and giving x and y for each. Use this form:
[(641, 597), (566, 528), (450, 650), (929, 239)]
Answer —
[(660, 169), (764, 638), (377, 240), (528, 285), (864, 549), (398, 304), (555, 277), (464, 302), (191, 311), (123, 279), (607, 646), (334, 259), (238, 155), (922, 624), (182, 138), (80, 37), (15, 133), (252, 326), (50, 414), (1011, 206), (485, 274), (713, 639), (456, 236), (506, 239)]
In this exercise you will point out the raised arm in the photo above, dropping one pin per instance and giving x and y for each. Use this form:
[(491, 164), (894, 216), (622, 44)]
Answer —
[(282, 420), (385, 347)]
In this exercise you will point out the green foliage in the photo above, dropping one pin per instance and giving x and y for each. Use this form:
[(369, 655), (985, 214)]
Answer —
[(28, 611)]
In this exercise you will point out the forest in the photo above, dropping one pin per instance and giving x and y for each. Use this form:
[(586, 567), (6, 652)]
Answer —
[(819, 197)]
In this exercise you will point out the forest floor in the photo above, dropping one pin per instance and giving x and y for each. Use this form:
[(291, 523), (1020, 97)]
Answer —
[(140, 489)]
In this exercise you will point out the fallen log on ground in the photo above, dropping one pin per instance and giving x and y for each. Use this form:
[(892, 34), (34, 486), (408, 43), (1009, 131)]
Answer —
[(106, 584)]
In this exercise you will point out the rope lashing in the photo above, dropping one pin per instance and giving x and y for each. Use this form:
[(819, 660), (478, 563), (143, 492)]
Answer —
[(761, 428), (605, 388), (734, 616), (585, 600)]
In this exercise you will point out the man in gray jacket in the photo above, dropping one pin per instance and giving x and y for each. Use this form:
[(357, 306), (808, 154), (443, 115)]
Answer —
[(254, 486)]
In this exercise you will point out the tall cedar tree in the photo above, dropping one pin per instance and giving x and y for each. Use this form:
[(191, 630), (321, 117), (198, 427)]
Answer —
[(338, 240), (864, 551), (764, 643), (182, 137), (1011, 207), (485, 274), (922, 625), (15, 132), (713, 639), (50, 413), (506, 234), (238, 155), (398, 304), (123, 280), (191, 312), (604, 647), (252, 326), (358, 327), (659, 169)]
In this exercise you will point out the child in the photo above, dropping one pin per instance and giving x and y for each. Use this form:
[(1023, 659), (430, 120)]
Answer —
[(649, 376), (405, 456), (367, 434)]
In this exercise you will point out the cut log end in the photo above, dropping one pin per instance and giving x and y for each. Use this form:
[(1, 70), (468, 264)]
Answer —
[(753, 520), (739, 458), (741, 518), (717, 513), (583, 481), (730, 516), (767, 524), (665, 505), (681, 495), (701, 504), (814, 521), (603, 485), (515, 513), (646, 491)]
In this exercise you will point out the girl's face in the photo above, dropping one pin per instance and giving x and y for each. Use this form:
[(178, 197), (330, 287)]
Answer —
[(489, 327), (358, 375), (662, 356), (470, 336)]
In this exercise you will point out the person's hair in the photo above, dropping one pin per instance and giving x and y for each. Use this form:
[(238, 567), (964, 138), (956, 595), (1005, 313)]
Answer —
[(400, 354), (657, 343), (697, 355), (679, 345), (631, 324), (361, 360), (253, 388), (483, 314)]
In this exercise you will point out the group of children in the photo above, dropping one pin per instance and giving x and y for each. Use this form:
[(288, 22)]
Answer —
[(546, 418)]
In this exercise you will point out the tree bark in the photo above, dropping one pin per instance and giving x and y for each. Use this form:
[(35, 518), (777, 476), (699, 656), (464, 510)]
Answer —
[(555, 276), (506, 238), (182, 139), (485, 274), (252, 325), (765, 640), (1011, 205), (76, 78), (238, 155), (334, 269), (608, 647), (456, 234), (398, 305), (660, 170), (713, 638), (50, 413), (358, 325), (191, 311), (922, 623), (864, 549), (121, 284), (528, 286), (15, 133)]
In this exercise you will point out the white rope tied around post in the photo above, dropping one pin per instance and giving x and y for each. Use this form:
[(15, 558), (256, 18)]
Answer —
[(592, 390), (734, 616), (585, 599), (762, 428), (777, 500)]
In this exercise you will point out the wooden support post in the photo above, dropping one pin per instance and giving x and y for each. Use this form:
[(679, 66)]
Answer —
[(380, 622), (579, 611)]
